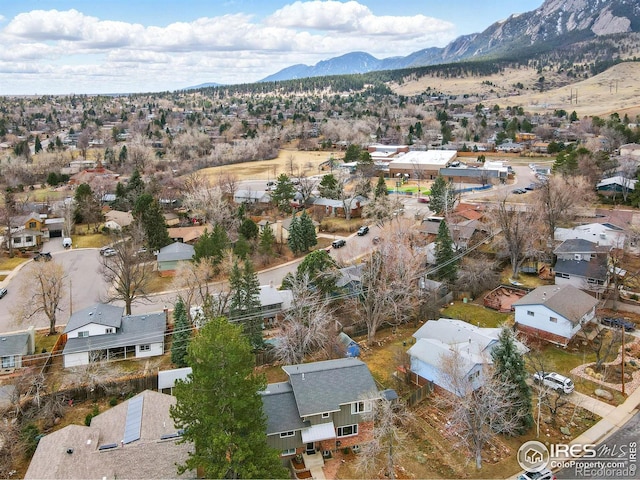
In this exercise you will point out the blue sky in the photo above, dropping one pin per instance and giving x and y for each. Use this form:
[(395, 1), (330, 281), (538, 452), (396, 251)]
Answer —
[(116, 46)]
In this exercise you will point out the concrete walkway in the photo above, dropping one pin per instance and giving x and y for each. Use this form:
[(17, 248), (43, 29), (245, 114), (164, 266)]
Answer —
[(600, 408), (314, 463)]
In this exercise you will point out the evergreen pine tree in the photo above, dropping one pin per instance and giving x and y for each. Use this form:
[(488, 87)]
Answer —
[(267, 241), (220, 408), (181, 335), (148, 213), (381, 188), (442, 196), (509, 368), (211, 245), (447, 267), (295, 239), (244, 302), (307, 232)]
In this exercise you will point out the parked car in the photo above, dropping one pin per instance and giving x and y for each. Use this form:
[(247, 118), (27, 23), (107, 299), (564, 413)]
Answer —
[(545, 474), (66, 242), (44, 256), (618, 322), (424, 199), (109, 252), (518, 191), (554, 381), (104, 249), (532, 186), (363, 230), (3, 292), (338, 243)]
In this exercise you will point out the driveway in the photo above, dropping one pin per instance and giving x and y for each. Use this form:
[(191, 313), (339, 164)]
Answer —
[(85, 282)]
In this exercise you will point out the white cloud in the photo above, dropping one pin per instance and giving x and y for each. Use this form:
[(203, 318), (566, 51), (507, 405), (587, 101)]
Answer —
[(76, 49)]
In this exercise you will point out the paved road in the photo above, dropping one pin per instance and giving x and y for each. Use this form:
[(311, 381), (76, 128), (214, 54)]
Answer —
[(617, 449)]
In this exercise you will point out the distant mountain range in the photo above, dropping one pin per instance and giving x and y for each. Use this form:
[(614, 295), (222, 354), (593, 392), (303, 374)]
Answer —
[(554, 25)]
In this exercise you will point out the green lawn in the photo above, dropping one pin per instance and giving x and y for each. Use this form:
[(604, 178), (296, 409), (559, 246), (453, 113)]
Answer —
[(477, 315), (7, 263)]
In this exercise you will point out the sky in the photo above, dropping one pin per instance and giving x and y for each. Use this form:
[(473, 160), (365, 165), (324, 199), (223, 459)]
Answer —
[(51, 47)]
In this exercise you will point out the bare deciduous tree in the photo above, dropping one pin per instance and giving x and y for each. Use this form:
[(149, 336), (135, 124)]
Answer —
[(388, 284), (476, 275), (308, 325), (41, 292), (209, 201), (477, 409), (127, 275), (192, 283), (392, 422)]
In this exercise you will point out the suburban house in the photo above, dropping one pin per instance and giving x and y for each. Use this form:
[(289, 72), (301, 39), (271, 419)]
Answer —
[(350, 278), (319, 408), (336, 208), (27, 231), (630, 149), (167, 378), (14, 346), (116, 220), (104, 332), (554, 313), (582, 263), (136, 439), (438, 339), (602, 234), (252, 196), (169, 257), (617, 185), (188, 235)]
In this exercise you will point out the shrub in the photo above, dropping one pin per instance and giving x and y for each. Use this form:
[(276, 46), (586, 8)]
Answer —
[(113, 401), (87, 419)]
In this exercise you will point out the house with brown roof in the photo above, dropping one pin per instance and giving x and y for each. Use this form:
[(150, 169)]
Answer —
[(136, 439), (554, 313)]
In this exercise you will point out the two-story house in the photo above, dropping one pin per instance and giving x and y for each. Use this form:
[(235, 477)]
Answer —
[(554, 313), (320, 408), (103, 332), (582, 263)]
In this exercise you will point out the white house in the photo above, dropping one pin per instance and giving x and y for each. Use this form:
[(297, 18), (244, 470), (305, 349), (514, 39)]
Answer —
[(599, 233), (582, 264), (103, 332), (438, 339), (554, 313)]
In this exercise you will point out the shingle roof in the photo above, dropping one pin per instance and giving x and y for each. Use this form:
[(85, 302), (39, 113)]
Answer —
[(13, 344), (280, 408), (566, 300), (595, 268), (176, 251), (453, 332), (579, 245), (136, 330), (147, 458), (324, 386), (100, 313)]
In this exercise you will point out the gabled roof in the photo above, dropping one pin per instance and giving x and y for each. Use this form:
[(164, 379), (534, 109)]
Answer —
[(324, 386), (176, 251), (601, 233), (100, 313), (566, 300), (579, 245), (13, 343), (280, 408), (141, 329), (595, 268), (73, 452), (454, 332)]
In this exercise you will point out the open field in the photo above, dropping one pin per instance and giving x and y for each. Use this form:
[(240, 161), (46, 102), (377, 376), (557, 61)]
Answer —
[(615, 90), (303, 162)]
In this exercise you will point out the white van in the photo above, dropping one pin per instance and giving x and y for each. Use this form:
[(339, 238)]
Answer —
[(66, 242), (554, 381)]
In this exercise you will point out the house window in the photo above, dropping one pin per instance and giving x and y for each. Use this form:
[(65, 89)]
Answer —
[(325, 415), (360, 407), (28, 239), (287, 452), (9, 362), (109, 330), (17, 241), (553, 319), (347, 431), (287, 434), (32, 224), (83, 334), (474, 375), (145, 348), (530, 313)]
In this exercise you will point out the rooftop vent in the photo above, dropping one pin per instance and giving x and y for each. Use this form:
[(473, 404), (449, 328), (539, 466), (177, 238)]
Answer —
[(107, 446)]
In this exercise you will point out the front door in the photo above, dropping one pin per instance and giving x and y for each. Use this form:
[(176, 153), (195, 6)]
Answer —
[(311, 449)]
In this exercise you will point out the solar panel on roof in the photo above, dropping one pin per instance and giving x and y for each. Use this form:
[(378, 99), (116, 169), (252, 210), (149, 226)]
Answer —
[(134, 420)]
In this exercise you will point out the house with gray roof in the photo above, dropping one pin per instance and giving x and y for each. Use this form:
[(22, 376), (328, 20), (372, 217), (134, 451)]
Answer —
[(554, 312), (14, 346), (103, 332), (136, 439), (583, 264), (169, 257), (437, 339), (320, 407)]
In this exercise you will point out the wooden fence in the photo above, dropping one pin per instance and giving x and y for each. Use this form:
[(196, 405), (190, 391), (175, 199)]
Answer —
[(418, 395)]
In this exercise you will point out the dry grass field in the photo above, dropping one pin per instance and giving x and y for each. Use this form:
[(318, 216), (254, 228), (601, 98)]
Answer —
[(615, 90), (289, 161)]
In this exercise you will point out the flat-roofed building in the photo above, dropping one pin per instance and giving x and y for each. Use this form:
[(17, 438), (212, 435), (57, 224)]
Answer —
[(423, 164)]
